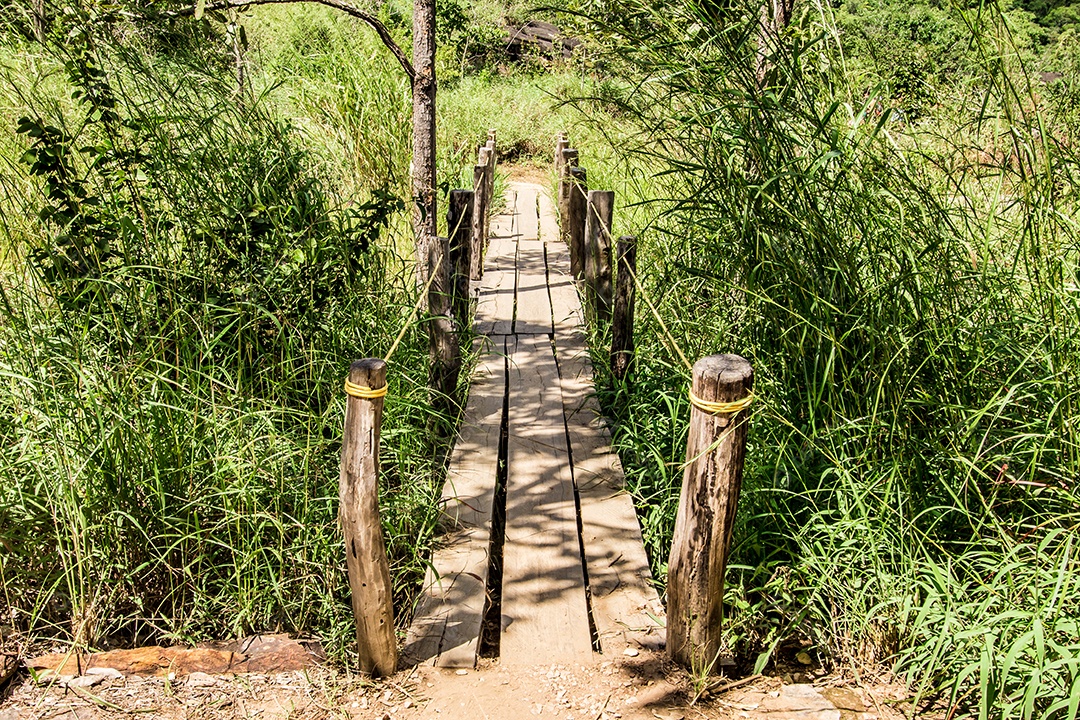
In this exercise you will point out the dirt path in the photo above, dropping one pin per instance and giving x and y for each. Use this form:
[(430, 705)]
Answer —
[(642, 687)]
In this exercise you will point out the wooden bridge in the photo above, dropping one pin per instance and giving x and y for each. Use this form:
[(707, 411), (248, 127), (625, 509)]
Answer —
[(542, 561)]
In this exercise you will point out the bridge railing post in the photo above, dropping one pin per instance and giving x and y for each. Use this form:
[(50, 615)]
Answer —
[(358, 511), (479, 212), (576, 214), (459, 228), (597, 253), (622, 318), (715, 451), (569, 161)]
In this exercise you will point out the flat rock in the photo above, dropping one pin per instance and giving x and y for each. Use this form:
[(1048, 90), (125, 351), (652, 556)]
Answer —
[(259, 654)]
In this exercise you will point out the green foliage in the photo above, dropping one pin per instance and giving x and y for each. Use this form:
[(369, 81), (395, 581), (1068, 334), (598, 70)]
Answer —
[(905, 294), (172, 360)]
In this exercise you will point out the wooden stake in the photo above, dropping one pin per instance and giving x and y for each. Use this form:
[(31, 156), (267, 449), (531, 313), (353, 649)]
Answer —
[(365, 549), (569, 160), (476, 256), (715, 450), (444, 353), (459, 228), (597, 252), (576, 212), (622, 320)]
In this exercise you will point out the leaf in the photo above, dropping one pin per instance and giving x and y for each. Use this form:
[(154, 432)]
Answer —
[(200, 8)]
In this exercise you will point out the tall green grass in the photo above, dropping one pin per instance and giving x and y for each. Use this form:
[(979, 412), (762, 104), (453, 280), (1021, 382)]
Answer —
[(173, 352), (906, 292)]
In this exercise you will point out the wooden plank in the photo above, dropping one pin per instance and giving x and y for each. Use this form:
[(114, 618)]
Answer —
[(533, 305), (504, 225), (566, 311), (544, 613), (626, 609), (450, 610), (549, 220), (495, 293), (528, 221)]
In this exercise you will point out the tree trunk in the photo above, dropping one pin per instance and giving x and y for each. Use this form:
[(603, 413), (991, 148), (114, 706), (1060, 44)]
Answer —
[(39, 20), (423, 164), (775, 17)]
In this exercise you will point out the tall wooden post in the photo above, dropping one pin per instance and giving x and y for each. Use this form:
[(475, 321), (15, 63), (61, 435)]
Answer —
[(569, 160), (459, 228), (715, 450), (479, 213), (576, 212), (622, 319), (358, 492), (597, 252), (443, 350)]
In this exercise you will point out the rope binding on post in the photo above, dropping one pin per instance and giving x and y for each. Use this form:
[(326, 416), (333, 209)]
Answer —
[(363, 391), (720, 408)]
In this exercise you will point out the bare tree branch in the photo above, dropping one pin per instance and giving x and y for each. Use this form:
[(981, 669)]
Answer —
[(374, 22)]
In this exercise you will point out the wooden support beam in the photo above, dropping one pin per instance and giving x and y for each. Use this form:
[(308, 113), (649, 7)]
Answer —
[(715, 451), (358, 511)]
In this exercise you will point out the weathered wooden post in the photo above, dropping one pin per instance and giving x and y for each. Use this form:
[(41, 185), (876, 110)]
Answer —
[(487, 159), (622, 318), (443, 349), (576, 212), (569, 160), (561, 143), (493, 161), (479, 213), (358, 492), (597, 252), (459, 228), (715, 449)]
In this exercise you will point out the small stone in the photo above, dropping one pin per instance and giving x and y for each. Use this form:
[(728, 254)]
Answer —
[(201, 679), (804, 657), (84, 681), (631, 652), (408, 704), (106, 672), (461, 672)]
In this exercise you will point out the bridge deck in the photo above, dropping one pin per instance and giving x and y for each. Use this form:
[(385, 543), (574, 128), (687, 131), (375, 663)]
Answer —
[(542, 545)]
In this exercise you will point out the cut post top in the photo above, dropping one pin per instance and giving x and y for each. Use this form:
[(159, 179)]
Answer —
[(722, 378), (370, 372)]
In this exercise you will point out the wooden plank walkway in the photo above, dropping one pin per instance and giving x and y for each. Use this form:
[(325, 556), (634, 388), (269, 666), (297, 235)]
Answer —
[(575, 582)]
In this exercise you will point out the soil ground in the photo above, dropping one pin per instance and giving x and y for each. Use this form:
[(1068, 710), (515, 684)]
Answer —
[(634, 688)]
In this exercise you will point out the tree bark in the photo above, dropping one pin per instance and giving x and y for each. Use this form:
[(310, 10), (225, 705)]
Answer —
[(423, 164), (775, 17), (39, 20)]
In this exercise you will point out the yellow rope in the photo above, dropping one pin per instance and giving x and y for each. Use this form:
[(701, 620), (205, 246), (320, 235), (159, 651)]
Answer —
[(720, 408), (363, 391)]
